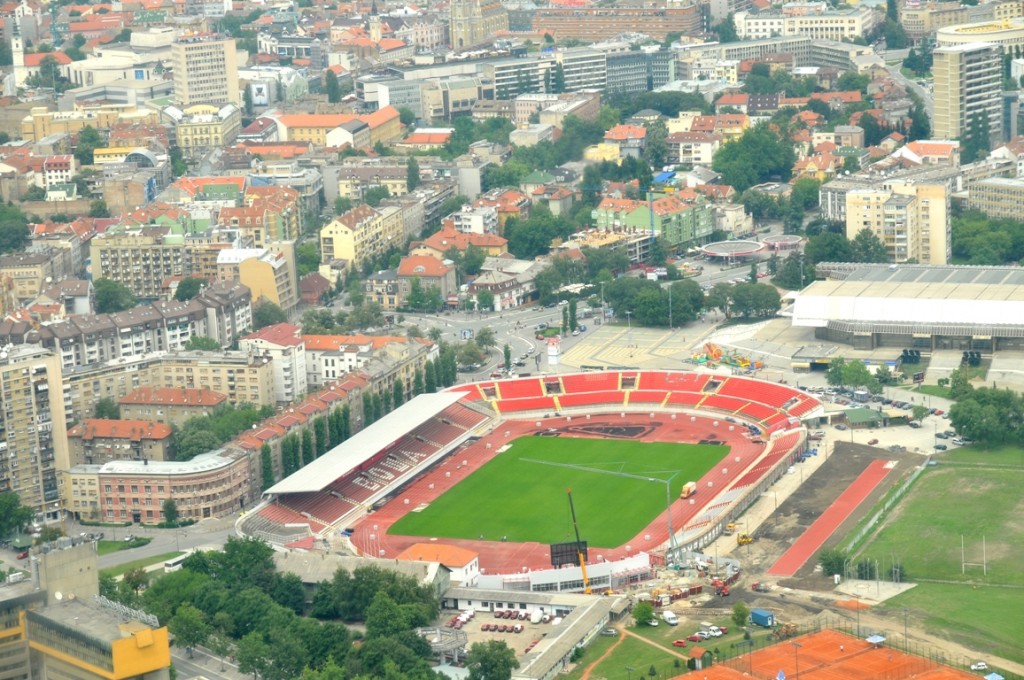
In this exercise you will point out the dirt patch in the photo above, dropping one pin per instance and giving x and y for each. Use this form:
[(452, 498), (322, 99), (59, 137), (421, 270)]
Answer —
[(814, 496)]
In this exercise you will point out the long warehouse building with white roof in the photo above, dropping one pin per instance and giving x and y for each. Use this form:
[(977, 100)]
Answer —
[(915, 306)]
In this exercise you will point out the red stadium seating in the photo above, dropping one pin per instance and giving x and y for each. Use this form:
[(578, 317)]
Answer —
[(720, 403), (648, 396), (320, 505), (780, 448), (757, 411), (590, 382), (281, 515), (673, 381), (615, 398), (685, 398), (466, 418), (531, 404), (520, 388)]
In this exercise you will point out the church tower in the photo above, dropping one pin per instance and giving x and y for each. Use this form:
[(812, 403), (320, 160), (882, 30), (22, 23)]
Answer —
[(376, 31), (18, 54)]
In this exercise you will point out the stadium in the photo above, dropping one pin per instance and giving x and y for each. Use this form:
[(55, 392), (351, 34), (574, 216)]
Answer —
[(484, 467)]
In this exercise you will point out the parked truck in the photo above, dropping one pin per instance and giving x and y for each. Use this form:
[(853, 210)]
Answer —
[(689, 489), (762, 617), (537, 616)]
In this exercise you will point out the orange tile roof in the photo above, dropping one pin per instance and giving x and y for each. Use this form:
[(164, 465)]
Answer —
[(380, 116), (449, 237), (448, 555), (438, 138), (621, 133), (34, 59), (332, 343), (173, 396), (733, 99), (391, 44), (279, 334), (135, 430), (849, 97), (422, 265), (925, 147)]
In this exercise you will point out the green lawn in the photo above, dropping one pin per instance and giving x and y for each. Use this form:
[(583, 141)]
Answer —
[(634, 653), (981, 617), (107, 547), (1011, 456), (950, 502), (933, 390), (144, 562), (517, 497)]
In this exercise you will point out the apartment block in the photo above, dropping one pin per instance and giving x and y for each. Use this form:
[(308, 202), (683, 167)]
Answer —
[(360, 234), (968, 81), (31, 272), (98, 440), (242, 378), (911, 219), (818, 24), (200, 127), (171, 405), (205, 68), (33, 436), (999, 197), (602, 23), (582, 69), (283, 343), (268, 274), (140, 258)]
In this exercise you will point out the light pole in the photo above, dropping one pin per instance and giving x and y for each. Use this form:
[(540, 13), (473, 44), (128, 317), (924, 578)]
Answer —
[(749, 644), (629, 673), (670, 307), (796, 655), (906, 640)]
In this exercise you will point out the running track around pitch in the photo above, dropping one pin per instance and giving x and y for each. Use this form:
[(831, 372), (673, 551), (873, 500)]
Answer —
[(837, 513)]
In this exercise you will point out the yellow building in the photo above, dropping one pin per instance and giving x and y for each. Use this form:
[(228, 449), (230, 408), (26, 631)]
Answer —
[(385, 126), (968, 83), (269, 274), (599, 153), (52, 627), (202, 127), (912, 220), (41, 123), (113, 154), (205, 69), (360, 234)]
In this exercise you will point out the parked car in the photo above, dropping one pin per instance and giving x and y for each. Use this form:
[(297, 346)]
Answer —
[(914, 424), (609, 632), (23, 555), (941, 447), (979, 666), (941, 435), (842, 426), (653, 623), (872, 442), (695, 638), (679, 643)]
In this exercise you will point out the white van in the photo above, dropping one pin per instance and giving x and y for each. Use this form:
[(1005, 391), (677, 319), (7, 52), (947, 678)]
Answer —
[(670, 618)]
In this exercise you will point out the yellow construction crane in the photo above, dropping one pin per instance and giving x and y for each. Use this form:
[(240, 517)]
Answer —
[(579, 545)]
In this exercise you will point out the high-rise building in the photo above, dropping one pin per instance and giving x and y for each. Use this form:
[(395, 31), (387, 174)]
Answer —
[(33, 435), (205, 69), (911, 219), (968, 82)]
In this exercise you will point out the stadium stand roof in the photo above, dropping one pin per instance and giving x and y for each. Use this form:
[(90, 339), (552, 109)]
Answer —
[(915, 298), (362, 446)]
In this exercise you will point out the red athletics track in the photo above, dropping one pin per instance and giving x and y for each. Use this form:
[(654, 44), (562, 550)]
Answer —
[(829, 521), (507, 557)]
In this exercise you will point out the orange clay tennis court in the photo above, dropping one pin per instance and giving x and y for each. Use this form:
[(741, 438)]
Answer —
[(830, 655)]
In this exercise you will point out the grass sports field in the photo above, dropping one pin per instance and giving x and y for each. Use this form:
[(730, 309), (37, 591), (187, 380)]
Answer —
[(521, 493), (924, 533)]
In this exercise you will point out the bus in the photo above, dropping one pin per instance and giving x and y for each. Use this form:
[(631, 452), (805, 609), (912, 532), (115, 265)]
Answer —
[(174, 564)]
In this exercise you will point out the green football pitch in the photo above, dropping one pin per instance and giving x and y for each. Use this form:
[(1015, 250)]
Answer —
[(521, 493)]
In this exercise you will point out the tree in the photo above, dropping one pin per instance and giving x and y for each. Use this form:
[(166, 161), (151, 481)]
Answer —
[(202, 343), (656, 144), (867, 247), (753, 272), (253, 654), (919, 412), (827, 247), (486, 337), (805, 193), (112, 296), (757, 156), (13, 515), (107, 408), (170, 509), (643, 612), (975, 143), (430, 377), (88, 141), (727, 30), (266, 468), (398, 393), (507, 353), (189, 627), (833, 562), (740, 614), (920, 126), (485, 300), (406, 116), (188, 288), (491, 660), (135, 579), (412, 174), (332, 87), (558, 79), (266, 313), (247, 103), (374, 195), (342, 205), (98, 208)]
